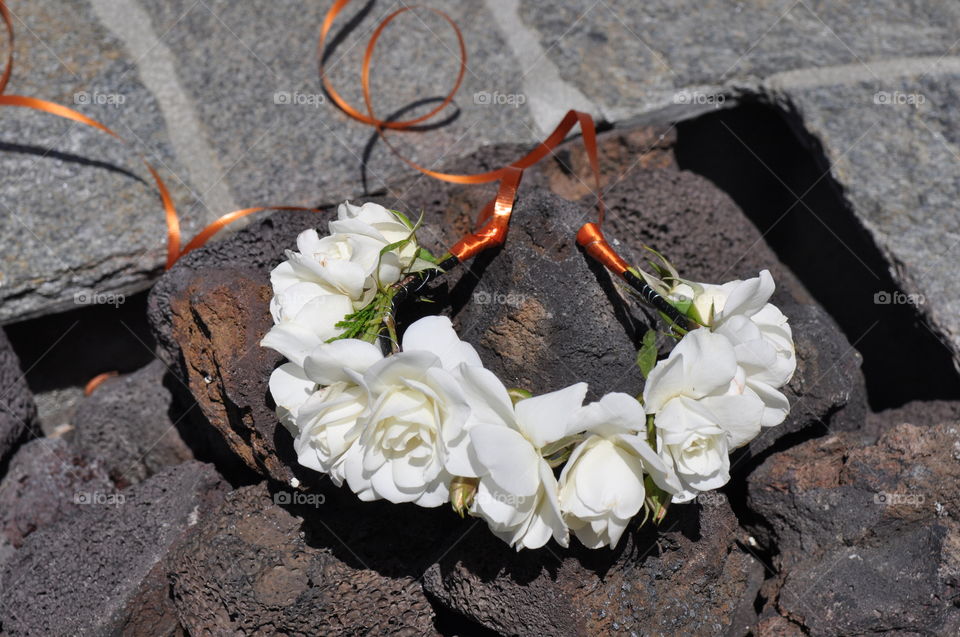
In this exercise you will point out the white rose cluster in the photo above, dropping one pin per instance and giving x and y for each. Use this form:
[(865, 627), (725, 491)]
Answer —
[(328, 278), (721, 384), (407, 426)]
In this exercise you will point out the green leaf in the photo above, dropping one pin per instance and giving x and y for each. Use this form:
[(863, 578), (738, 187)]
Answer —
[(404, 219), (657, 500), (390, 247), (367, 322), (517, 394), (663, 268), (399, 245), (427, 256), (647, 355)]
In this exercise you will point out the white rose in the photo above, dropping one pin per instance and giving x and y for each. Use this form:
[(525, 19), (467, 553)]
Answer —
[(290, 388), (601, 486), (763, 366), (327, 426), (706, 299), (327, 423), (711, 300), (517, 493), (759, 332), (374, 221), (702, 406), (694, 446), (338, 265), (314, 324), (414, 407)]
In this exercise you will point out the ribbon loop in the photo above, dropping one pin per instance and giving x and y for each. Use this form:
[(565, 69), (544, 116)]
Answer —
[(491, 230), (174, 251)]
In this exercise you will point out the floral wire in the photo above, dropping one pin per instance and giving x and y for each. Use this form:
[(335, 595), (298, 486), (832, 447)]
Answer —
[(659, 303)]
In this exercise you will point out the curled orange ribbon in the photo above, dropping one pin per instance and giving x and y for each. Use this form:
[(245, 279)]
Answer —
[(175, 250), (492, 223), (494, 219)]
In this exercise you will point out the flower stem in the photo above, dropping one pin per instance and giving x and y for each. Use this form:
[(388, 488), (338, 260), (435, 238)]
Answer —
[(375, 316), (391, 325)]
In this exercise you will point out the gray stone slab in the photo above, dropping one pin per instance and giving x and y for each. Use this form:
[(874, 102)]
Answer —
[(632, 57), (225, 99), (251, 70), (78, 211), (894, 148)]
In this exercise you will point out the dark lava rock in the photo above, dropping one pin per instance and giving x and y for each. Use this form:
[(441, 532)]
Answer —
[(46, 481), (689, 576), (208, 315), (866, 536), (18, 413), (650, 202), (918, 412), (95, 572), (218, 319), (258, 248), (827, 392), (327, 567), (131, 424), (541, 314)]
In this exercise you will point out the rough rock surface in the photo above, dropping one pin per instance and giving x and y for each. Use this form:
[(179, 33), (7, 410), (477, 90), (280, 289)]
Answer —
[(870, 131), (327, 567), (129, 424), (210, 311), (219, 144), (83, 219), (866, 536), (529, 331), (652, 203), (218, 319), (920, 413), (827, 391), (46, 480), (690, 576), (18, 412), (92, 573), (639, 57)]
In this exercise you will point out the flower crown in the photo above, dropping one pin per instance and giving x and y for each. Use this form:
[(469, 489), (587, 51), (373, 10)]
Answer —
[(429, 424)]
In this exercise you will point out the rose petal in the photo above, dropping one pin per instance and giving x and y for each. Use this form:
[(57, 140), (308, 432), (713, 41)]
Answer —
[(550, 417), (327, 363), (749, 296), (435, 334), (614, 413), (507, 458), (293, 340)]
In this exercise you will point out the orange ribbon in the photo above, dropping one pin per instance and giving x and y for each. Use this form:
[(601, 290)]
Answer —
[(96, 381), (594, 243), (174, 249), (494, 219)]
